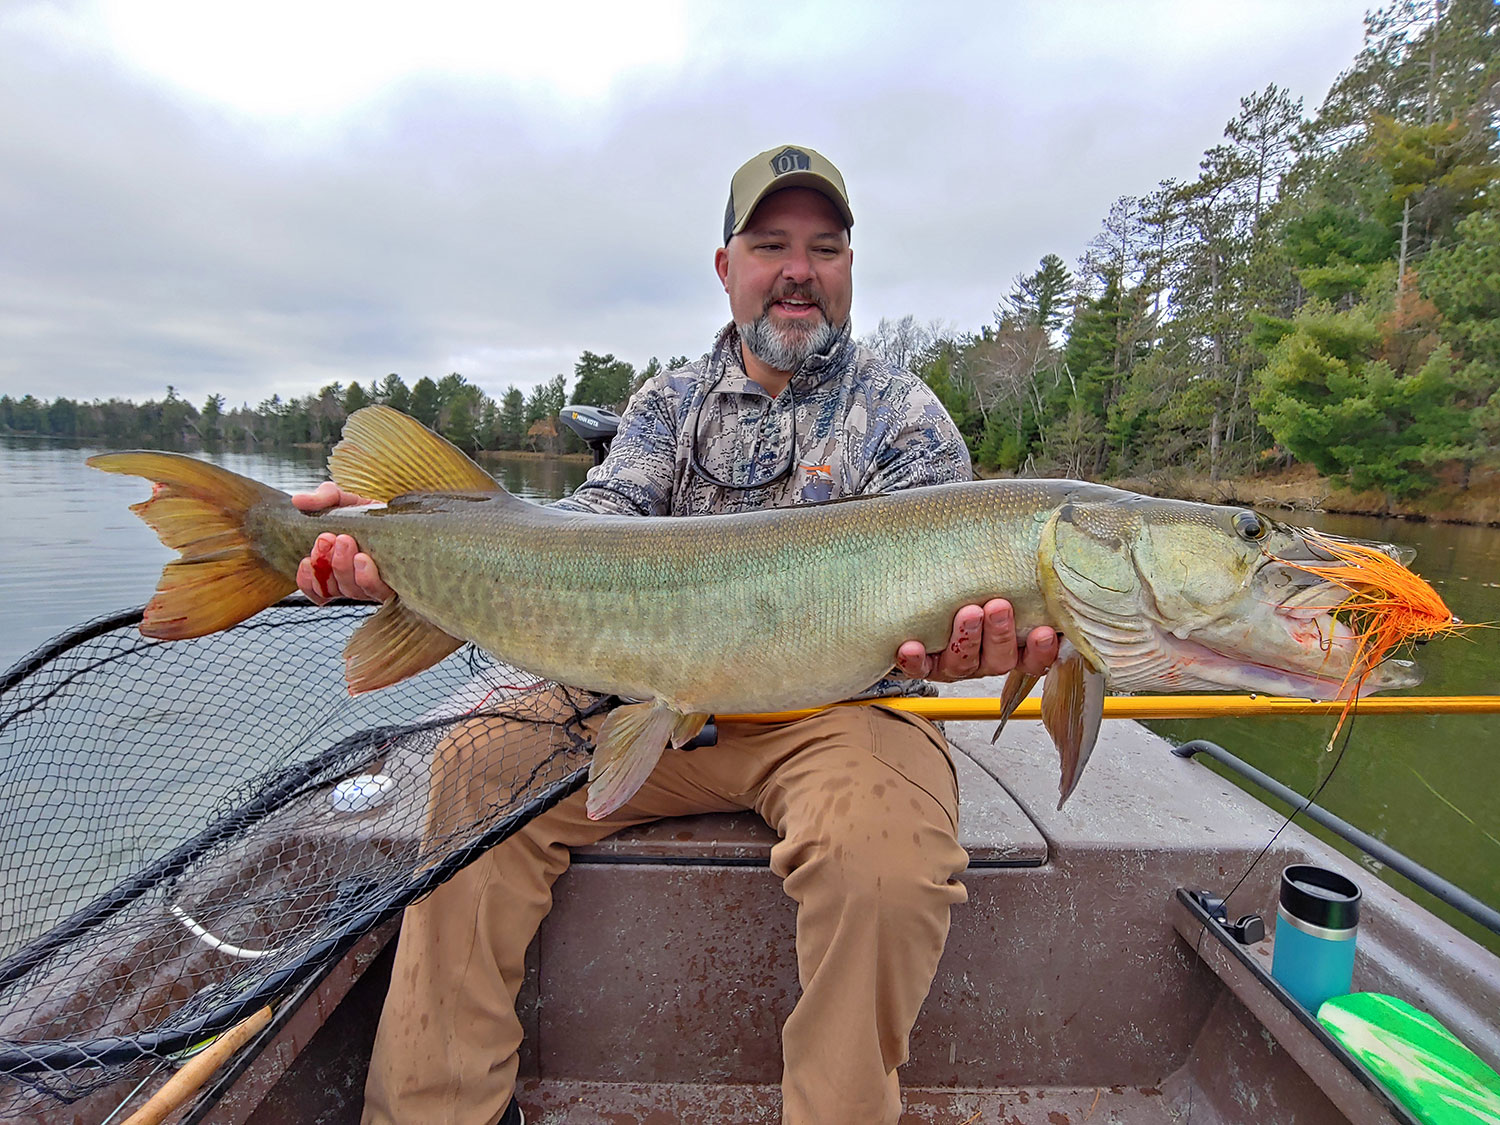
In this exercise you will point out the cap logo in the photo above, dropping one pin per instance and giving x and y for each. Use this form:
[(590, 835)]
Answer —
[(790, 160)]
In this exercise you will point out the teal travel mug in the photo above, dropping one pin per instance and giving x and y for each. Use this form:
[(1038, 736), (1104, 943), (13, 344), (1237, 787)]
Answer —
[(1313, 956)]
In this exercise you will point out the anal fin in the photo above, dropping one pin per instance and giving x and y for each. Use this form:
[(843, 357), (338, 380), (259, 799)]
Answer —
[(392, 645), (630, 744), (687, 727), (1072, 708)]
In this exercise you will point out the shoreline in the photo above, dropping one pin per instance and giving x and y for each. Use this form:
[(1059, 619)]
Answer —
[(1297, 489), (1301, 489), (199, 446), (531, 455)]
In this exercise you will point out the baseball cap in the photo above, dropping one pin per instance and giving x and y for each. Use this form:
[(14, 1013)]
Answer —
[(777, 168)]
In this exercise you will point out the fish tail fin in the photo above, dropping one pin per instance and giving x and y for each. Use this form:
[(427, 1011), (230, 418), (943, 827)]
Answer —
[(384, 454), (220, 577)]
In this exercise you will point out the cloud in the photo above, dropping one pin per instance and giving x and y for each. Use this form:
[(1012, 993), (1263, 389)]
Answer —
[(444, 216)]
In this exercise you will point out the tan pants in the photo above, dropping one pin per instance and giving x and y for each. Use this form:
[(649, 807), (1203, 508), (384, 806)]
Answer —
[(866, 804)]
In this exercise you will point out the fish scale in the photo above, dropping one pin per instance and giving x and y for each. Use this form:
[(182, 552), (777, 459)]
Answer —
[(729, 613)]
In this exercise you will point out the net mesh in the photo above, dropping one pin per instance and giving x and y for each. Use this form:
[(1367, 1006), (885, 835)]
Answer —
[(190, 830)]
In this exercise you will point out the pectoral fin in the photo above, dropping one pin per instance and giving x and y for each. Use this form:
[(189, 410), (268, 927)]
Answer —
[(1072, 707), (1018, 686), (630, 744), (392, 645)]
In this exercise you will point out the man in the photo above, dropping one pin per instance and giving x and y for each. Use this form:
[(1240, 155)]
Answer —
[(785, 409)]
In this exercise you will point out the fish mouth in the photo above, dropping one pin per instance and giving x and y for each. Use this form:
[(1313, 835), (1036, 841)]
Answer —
[(1325, 547), (1355, 601), (1300, 646), (1328, 657), (1320, 665)]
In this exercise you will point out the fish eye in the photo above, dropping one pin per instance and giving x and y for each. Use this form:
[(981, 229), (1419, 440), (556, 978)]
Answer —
[(1250, 526)]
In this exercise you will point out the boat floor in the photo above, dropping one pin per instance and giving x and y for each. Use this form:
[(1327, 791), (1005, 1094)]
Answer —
[(610, 1103), (325, 1089)]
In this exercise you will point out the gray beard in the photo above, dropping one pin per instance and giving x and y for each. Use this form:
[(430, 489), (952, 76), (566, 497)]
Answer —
[(788, 348)]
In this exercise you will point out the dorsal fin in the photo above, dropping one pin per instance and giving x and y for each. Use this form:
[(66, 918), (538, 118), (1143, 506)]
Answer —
[(385, 453)]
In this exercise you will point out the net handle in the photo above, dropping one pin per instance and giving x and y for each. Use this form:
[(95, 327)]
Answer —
[(184, 1084)]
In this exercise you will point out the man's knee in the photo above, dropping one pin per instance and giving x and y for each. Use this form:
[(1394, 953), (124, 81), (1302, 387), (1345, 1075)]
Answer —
[(890, 864)]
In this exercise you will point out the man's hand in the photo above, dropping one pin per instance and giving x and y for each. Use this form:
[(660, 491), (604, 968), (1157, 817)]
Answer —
[(336, 567), (983, 644)]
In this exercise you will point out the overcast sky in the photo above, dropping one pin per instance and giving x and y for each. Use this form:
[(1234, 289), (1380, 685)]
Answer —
[(253, 197)]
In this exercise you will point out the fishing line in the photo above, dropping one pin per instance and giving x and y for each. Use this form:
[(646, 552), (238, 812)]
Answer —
[(1306, 801), (125, 1101), (1311, 798)]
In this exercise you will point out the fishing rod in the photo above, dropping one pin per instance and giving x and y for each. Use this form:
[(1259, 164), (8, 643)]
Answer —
[(1161, 707)]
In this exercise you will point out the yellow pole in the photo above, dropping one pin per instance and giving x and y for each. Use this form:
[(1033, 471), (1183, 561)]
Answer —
[(1165, 707)]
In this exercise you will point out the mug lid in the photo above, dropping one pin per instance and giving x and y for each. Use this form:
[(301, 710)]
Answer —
[(1320, 897)]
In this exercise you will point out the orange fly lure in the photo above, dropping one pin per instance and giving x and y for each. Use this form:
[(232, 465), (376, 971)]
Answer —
[(1386, 605)]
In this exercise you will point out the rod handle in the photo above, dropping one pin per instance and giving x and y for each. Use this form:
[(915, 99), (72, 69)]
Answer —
[(184, 1084)]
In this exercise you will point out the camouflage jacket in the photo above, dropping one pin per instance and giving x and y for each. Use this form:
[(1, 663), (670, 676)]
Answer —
[(848, 424)]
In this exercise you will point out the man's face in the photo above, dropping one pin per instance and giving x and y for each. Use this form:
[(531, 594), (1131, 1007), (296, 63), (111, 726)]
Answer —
[(789, 277)]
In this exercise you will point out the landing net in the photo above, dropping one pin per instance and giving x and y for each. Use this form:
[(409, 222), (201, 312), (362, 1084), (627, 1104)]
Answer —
[(192, 830)]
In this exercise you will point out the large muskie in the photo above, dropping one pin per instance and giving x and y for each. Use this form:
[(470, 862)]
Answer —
[(790, 607)]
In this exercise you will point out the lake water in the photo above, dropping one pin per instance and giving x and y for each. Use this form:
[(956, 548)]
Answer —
[(70, 550)]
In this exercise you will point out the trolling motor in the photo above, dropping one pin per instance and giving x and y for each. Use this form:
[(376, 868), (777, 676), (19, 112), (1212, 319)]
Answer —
[(595, 425)]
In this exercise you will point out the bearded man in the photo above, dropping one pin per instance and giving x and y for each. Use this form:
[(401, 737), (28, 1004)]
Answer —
[(785, 408)]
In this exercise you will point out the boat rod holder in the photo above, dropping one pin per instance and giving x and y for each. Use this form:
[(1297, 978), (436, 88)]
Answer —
[(1247, 930)]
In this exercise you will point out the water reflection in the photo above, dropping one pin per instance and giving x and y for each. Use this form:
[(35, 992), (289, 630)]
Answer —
[(71, 550), (537, 478)]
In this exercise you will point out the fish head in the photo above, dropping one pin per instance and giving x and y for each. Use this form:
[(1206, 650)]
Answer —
[(1177, 596)]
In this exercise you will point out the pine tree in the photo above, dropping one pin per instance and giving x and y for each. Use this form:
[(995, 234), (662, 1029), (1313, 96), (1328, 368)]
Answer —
[(510, 425), (210, 418), (1040, 298), (1332, 400), (424, 402), (394, 393), (1263, 134), (603, 380)]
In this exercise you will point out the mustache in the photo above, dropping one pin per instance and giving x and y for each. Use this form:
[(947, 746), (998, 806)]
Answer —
[(801, 293)]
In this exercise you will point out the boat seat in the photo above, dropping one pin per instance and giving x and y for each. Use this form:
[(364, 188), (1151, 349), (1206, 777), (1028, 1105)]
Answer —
[(992, 828), (704, 929), (669, 954)]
